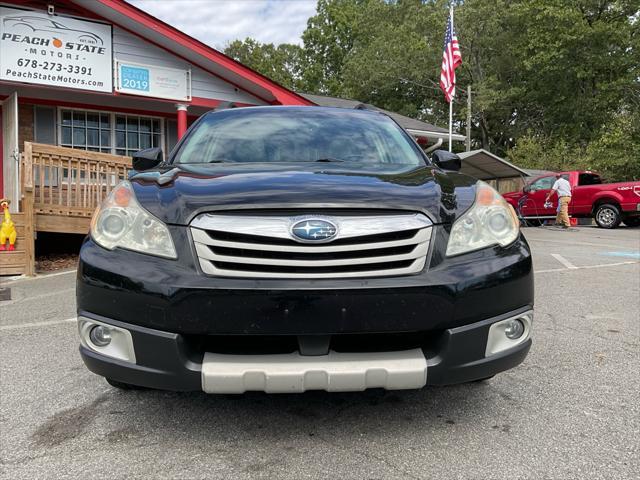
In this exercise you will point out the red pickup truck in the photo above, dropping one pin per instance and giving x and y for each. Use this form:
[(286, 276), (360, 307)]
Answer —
[(608, 203)]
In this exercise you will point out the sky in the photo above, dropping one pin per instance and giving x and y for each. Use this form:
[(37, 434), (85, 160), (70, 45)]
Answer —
[(219, 22)]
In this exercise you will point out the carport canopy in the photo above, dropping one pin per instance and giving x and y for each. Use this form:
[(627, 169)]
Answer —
[(484, 165)]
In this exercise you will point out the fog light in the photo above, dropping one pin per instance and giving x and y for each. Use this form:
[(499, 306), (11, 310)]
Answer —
[(100, 336), (509, 333), (514, 329)]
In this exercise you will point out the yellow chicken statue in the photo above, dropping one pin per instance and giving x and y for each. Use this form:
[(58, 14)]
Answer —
[(7, 229)]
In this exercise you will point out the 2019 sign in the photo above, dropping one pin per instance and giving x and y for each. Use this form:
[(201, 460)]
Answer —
[(153, 81), (134, 78), (48, 49)]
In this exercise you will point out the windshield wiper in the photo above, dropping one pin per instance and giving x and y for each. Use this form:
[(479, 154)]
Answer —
[(218, 161), (329, 159)]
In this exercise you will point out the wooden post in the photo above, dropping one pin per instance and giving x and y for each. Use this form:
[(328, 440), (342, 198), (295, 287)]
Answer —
[(29, 234), (27, 206)]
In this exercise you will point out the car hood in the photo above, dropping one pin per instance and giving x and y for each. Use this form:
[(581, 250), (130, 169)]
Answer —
[(177, 194)]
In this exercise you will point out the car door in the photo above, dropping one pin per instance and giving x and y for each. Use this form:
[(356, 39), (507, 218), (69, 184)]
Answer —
[(533, 205)]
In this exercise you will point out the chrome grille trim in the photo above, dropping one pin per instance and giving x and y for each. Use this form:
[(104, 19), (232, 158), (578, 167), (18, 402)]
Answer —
[(234, 257), (210, 269), (278, 227)]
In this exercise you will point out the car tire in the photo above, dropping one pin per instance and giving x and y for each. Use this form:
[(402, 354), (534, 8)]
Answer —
[(607, 215), (122, 385), (632, 221)]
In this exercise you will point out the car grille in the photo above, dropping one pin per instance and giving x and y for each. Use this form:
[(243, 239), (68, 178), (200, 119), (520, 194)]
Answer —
[(261, 246)]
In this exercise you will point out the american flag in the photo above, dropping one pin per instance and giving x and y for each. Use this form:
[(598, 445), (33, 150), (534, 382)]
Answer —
[(451, 59)]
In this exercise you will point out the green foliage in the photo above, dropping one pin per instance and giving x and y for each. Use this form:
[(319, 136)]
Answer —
[(328, 39), (545, 153), (614, 152), (556, 83), (281, 64)]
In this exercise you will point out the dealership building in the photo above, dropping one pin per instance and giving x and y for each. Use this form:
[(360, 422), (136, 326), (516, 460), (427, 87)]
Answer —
[(105, 76)]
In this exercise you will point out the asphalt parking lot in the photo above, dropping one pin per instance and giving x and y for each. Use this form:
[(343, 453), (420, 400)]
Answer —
[(571, 410)]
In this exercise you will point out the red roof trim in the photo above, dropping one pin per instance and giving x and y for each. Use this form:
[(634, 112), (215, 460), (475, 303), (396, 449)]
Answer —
[(282, 94)]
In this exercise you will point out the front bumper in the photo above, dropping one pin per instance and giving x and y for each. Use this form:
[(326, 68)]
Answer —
[(176, 315), (173, 296), (163, 360)]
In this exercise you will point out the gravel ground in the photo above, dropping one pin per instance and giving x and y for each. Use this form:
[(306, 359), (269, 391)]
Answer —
[(56, 261), (571, 410)]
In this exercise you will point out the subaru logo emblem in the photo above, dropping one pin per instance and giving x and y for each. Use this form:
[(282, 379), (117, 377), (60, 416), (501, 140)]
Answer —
[(314, 230)]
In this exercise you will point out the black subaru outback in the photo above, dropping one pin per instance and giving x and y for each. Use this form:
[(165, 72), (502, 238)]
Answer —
[(286, 249)]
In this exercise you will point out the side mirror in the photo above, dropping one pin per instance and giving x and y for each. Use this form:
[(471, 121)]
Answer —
[(447, 160), (147, 159), (526, 188)]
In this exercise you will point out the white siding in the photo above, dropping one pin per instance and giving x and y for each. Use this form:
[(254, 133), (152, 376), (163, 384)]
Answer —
[(128, 47)]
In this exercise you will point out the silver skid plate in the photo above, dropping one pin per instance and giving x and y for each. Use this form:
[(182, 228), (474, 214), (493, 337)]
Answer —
[(294, 373)]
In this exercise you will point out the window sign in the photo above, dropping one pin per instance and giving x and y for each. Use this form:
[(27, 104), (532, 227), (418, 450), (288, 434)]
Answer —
[(36, 47), (151, 81)]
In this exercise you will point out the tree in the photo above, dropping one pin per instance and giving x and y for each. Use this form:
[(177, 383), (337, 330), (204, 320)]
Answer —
[(614, 152), (555, 82), (328, 39), (281, 64), (576, 64)]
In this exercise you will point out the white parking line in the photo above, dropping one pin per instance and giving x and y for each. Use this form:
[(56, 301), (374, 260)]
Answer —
[(37, 297), (585, 267), (37, 324), (564, 261), (561, 242), (37, 277)]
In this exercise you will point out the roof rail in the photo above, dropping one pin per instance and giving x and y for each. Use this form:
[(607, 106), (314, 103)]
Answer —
[(225, 106), (371, 108)]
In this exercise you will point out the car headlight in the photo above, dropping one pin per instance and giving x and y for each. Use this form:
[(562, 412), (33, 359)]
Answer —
[(490, 221), (121, 222)]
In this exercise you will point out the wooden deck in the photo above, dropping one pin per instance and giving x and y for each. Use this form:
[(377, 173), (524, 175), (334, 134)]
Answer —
[(61, 188)]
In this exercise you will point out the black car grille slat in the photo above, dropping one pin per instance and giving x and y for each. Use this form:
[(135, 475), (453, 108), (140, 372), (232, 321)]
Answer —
[(376, 252), (256, 239), (331, 269)]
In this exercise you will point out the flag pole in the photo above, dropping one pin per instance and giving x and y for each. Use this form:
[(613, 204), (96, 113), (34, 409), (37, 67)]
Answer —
[(453, 93), (450, 120)]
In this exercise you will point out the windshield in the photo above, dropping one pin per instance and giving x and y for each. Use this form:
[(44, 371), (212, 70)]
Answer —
[(306, 134)]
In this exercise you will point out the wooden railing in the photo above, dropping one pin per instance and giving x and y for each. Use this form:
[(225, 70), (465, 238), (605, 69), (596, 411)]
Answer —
[(61, 187), (67, 181)]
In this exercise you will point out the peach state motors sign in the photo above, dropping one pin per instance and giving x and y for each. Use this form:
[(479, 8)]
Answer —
[(51, 50)]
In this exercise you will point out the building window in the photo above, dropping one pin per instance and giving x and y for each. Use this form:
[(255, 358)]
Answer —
[(114, 133), (136, 133), (86, 130), (44, 125)]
